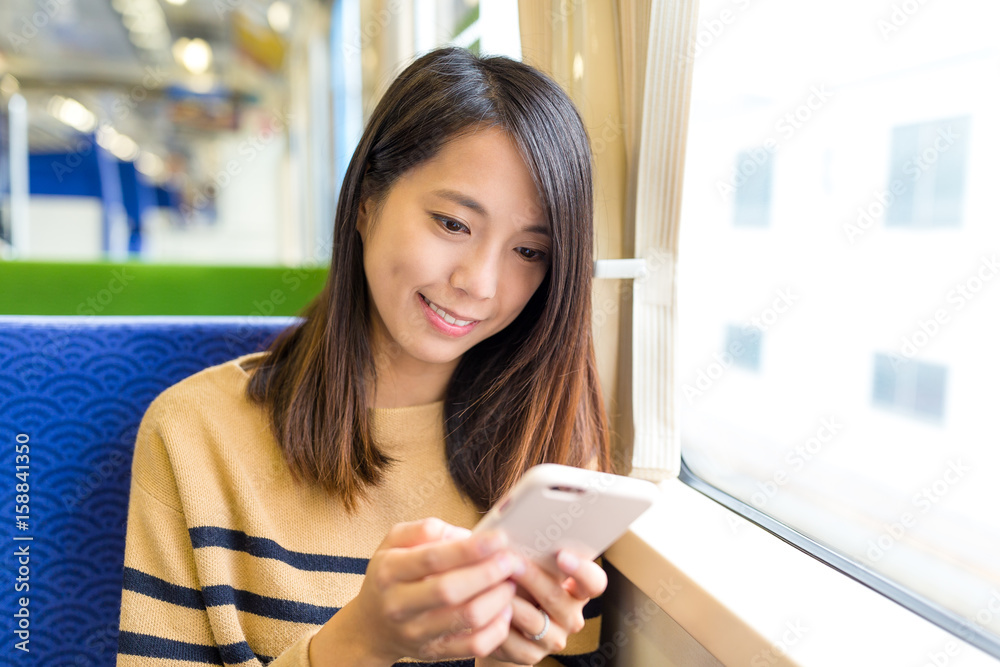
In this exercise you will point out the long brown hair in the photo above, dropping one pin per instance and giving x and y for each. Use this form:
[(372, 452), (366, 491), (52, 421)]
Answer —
[(528, 394)]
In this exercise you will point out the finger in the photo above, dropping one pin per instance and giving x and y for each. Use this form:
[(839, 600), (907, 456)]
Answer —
[(459, 585), (549, 594), (587, 578), (475, 614), (413, 533), (527, 620), (424, 560), (479, 643), (523, 651)]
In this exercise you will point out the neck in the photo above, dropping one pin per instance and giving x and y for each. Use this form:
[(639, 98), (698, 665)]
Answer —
[(399, 386), (402, 381)]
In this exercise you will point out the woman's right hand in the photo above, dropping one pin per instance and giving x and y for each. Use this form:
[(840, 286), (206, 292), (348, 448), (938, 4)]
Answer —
[(431, 591)]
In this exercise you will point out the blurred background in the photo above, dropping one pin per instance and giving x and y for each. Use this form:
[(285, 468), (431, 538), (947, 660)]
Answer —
[(199, 131)]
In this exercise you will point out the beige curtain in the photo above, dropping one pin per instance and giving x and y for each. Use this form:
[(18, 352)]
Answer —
[(625, 65)]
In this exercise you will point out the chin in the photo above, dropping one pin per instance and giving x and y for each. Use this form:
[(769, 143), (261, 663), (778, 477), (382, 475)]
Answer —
[(435, 355)]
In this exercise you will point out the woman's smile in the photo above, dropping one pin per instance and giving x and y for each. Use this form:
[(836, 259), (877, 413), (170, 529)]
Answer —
[(446, 323)]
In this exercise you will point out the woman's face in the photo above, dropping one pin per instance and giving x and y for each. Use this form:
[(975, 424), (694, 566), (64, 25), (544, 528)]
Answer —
[(458, 247)]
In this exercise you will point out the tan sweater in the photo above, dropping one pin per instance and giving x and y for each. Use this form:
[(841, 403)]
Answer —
[(229, 561)]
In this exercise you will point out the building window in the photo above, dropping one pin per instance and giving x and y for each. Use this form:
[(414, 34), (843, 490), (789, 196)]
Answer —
[(743, 343), (927, 173), (752, 201), (909, 386)]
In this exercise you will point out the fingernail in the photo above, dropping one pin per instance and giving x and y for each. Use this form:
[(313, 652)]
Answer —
[(569, 562), (508, 613), (518, 565)]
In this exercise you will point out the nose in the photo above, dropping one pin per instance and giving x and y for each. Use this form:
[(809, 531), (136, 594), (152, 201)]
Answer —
[(478, 273)]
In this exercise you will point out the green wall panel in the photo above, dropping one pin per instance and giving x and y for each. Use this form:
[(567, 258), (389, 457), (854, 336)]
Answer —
[(49, 288)]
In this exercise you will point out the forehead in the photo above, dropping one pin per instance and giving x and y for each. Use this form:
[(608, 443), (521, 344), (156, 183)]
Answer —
[(482, 169)]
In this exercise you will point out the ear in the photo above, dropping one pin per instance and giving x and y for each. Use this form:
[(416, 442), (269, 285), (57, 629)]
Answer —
[(363, 217)]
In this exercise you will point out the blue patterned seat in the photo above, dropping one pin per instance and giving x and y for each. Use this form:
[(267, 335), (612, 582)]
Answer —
[(74, 390)]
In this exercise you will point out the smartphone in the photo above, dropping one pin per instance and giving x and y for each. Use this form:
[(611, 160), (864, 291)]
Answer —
[(556, 507)]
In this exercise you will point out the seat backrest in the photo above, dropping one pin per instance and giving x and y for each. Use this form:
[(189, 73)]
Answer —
[(72, 393)]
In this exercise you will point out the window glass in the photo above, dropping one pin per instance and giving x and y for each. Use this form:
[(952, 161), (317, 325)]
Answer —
[(839, 281)]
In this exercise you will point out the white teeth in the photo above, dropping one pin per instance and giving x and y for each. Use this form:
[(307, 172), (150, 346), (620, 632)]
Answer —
[(445, 316)]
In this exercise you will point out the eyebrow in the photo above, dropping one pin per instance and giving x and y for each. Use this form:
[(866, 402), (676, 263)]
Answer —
[(473, 205)]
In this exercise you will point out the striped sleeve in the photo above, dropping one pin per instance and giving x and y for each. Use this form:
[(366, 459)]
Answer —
[(165, 612)]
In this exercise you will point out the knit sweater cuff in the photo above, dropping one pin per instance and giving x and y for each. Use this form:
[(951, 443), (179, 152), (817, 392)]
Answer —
[(296, 655)]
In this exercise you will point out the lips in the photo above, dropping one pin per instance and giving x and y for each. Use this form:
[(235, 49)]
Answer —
[(445, 315)]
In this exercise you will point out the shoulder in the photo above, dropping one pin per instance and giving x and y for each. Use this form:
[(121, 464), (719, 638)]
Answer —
[(216, 392), (201, 436)]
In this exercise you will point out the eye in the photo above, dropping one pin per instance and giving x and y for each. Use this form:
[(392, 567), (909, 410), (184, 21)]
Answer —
[(450, 225), (531, 254)]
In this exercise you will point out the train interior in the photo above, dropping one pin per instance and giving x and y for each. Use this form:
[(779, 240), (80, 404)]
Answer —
[(796, 298)]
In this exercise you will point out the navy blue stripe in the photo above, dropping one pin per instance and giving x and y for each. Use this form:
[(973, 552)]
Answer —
[(150, 646), (593, 608), (222, 595), (238, 652), (133, 643), (278, 608), (154, 587), (237, 540)]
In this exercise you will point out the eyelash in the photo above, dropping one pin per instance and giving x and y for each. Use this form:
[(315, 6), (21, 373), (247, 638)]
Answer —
[(539, 255), (448, 221)]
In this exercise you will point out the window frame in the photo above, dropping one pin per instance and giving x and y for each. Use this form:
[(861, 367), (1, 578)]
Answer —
[(933, 612), (687, 556)]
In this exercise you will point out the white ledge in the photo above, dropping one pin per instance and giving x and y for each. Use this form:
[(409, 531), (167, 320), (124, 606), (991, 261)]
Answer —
[(752, 600)]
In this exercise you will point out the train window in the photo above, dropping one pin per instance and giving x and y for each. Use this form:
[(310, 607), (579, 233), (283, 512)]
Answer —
[(839, 288)]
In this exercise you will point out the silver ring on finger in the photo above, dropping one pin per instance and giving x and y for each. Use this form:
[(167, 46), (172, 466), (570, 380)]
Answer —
[(545, 628)]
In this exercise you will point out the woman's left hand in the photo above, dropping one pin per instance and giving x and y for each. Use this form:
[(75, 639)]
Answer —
[(563, 602)]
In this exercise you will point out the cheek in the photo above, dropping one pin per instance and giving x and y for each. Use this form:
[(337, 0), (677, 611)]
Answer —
[(386, 267), (525, 287)]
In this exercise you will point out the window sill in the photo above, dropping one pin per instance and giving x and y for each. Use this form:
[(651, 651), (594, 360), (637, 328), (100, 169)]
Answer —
[(752, 599)]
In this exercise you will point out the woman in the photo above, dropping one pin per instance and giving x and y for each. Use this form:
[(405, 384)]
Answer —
[(280, 502)]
